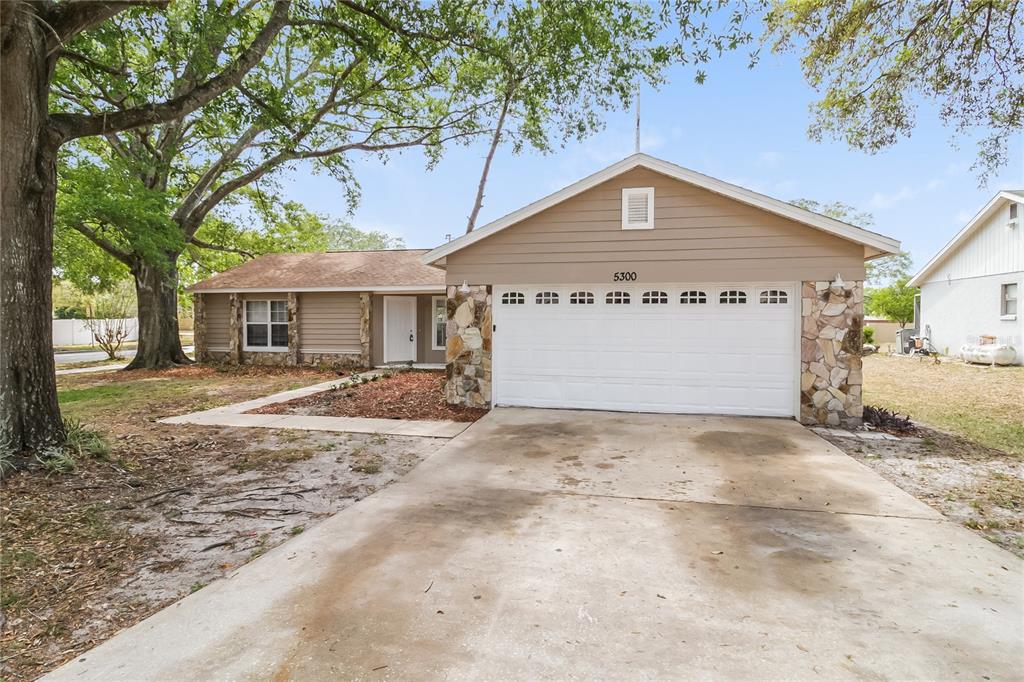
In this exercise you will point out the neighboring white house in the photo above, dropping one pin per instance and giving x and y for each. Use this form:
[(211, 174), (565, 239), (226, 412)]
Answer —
[(972, 287)]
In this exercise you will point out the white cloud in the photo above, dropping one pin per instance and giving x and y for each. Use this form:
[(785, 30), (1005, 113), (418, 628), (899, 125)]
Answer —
[(770, 158), (885, 200)]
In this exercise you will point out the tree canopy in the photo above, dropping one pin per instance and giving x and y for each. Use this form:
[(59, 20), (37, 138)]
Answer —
[(874, 61), (893, 302)]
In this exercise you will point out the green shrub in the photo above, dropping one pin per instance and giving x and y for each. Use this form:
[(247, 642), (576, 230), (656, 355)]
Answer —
[(869, 335), (85, 442)]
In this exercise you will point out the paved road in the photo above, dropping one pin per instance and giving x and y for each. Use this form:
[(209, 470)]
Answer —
[(557, 544), (94, 355)]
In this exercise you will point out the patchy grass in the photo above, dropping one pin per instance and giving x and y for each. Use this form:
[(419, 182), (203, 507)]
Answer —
[(142, 513), (979, 403)]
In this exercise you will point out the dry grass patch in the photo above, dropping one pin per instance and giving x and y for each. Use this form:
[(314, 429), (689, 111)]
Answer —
[(979, 403)]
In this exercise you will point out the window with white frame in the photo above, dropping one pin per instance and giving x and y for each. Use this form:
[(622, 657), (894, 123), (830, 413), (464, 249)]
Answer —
[(654, 297), (440, 321), (547, 298), (732, 297), (513, 298), (637, 208), (772, 296), (1008, 300), (694, 296), (617, 298), (581, 298), (266, 325)]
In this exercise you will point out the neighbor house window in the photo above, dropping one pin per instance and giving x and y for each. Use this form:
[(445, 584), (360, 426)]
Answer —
[(693, 296), (547, 298), (638, 208), (617, 298), (266, 325), (440, 318), (654, 297), (581, 298), (774, 296), (732, 296), (513, 298), (1009, 300)]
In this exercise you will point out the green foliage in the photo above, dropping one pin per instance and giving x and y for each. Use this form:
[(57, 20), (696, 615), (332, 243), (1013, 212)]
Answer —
[(888, 269), (837, 210), (874, 62), (894, 302), (869, 335)]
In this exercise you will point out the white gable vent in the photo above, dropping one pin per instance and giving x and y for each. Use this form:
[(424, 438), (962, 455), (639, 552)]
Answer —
[(637, 208), (1012, 222)]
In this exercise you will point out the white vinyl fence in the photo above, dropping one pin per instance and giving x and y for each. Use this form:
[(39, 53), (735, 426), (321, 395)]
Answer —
[(76, 333)]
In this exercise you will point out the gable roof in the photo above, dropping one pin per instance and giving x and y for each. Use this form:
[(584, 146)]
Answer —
[(876, 244), (996, 203), (331, 271)]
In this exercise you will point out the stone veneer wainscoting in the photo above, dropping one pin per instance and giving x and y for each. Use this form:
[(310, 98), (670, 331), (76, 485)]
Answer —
[(468, 348), (832, 316)]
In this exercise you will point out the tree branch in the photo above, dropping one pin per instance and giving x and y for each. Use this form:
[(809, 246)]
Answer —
[(216, 247), (70, 126), (104, 243)]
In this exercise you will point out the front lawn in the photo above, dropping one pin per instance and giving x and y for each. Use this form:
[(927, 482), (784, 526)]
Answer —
[(979, 403), (107, 538)]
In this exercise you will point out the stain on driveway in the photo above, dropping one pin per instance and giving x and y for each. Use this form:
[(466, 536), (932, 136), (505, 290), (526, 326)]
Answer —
[(562, 544)]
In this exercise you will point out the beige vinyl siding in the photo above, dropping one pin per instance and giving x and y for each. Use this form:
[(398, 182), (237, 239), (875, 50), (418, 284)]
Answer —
[(218, 321), (329, 321), (698, 236)]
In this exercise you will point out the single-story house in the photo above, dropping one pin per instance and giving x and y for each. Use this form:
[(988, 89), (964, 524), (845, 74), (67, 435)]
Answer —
[(345, 309), (643, 287), (971, 288)]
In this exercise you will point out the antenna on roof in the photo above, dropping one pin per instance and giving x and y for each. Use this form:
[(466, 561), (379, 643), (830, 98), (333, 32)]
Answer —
[(637, 150)]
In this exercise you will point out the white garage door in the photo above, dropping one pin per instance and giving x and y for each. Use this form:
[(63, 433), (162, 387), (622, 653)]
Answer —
[(701, 348)]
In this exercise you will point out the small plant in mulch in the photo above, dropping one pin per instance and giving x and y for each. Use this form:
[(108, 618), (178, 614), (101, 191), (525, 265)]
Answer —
[(887, 420)]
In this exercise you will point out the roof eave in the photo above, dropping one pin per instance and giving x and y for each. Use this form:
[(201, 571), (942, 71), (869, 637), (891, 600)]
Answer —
[(960, 237)]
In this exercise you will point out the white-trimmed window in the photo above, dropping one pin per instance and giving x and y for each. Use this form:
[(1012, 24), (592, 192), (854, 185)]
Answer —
[(1008, 300), (581, 298), (654, 298), (617, 298), (637, 208), (732, 297), (773, 296), (513, 298), (439, 319), (547, 298), (266, 325), (694, 296)]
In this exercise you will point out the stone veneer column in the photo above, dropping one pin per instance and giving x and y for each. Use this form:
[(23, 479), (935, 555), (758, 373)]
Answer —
[(832, 316), (199, 327), (294, 329), (468, 349), (235, 329), (364, 328)]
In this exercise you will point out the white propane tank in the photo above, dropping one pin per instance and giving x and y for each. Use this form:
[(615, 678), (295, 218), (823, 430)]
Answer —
[(988, 354)]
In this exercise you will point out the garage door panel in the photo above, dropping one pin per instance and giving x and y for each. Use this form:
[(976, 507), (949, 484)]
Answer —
[(709, 358)]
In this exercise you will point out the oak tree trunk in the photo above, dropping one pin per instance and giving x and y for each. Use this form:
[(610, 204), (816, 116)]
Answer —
[(157, 290), (29, 414)]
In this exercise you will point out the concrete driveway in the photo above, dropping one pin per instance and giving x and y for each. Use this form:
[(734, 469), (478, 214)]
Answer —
[(588, 545)]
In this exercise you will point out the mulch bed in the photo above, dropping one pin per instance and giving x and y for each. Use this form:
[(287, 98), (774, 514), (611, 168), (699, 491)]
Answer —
[(406, 395)]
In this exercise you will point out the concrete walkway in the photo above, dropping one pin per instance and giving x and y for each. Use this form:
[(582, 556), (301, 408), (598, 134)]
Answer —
[(545, 544), (89, 370), (234, 415)]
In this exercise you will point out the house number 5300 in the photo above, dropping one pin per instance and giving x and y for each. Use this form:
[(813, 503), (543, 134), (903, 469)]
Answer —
[(624, 277)]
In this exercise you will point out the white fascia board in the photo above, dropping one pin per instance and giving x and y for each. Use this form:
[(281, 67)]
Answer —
[(424, 288), (877, 241), (963, 235)]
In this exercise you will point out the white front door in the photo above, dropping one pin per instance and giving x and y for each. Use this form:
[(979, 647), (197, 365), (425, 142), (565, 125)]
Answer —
[(719, 348), (399, 329)]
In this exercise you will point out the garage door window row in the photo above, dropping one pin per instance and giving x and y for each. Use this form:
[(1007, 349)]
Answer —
[(728, 297)]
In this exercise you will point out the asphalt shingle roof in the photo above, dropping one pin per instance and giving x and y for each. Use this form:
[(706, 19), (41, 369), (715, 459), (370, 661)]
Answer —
[(367, 269)]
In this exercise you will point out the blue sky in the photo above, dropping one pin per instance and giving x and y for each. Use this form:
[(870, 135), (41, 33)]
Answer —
[(743, 126)]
